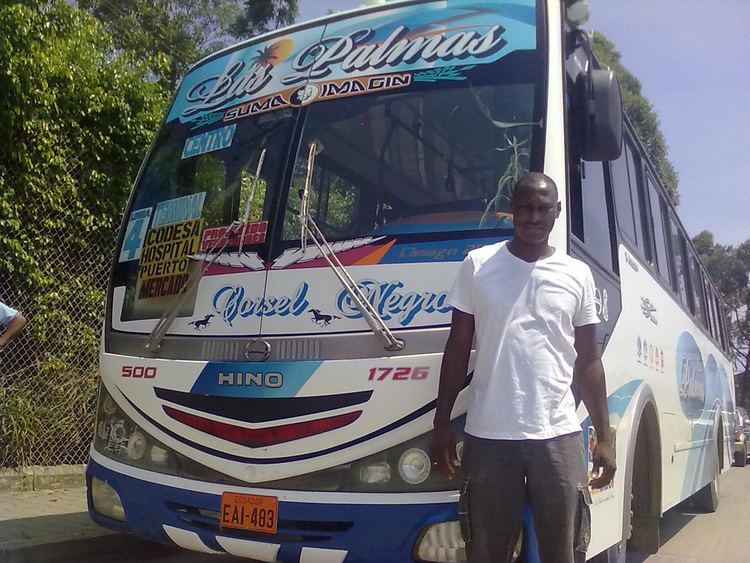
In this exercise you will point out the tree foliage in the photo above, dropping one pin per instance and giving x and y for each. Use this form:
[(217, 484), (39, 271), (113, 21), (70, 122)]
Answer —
[(261, 16), (171, 35), (76, 121), (641, 114), (167, 35), (729, 267)]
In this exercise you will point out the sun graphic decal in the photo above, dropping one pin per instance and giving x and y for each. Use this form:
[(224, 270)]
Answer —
[(273, 54)]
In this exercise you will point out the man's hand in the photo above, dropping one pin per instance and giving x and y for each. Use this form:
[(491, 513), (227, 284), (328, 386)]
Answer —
[(443, 450), (603, 458)]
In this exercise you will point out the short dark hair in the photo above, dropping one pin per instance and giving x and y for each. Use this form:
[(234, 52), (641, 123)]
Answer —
[(534, 180)]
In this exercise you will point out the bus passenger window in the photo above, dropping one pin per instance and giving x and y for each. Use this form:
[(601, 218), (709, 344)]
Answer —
[(679, 265), (660, 233), (623, 199), (713, 317), (722, 323), (640, 214), (596, 233), (696, 285)]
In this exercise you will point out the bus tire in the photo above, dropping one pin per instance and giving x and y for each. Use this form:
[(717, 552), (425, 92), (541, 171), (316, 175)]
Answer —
[(740, 458), (707, 499), (643, 485)]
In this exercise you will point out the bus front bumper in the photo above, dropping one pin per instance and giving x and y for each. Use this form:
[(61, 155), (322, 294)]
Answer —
[(307, 531)]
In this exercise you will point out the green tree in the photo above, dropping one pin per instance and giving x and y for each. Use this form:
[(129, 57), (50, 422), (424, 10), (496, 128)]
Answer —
[(171, 35), (76, 121), (167, 35), (265, 15), (729, 267), (641, 114)]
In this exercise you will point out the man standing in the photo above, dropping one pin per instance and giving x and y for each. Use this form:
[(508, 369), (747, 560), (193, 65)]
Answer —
[(532, 309), (12, 321)]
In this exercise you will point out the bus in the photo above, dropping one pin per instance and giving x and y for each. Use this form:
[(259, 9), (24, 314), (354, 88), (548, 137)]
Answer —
[(277, 309)]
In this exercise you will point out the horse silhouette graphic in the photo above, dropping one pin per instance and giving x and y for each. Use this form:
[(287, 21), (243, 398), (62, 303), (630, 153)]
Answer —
[(321, 319), (200, 324)]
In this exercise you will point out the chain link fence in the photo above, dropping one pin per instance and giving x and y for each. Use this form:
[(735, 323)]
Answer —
[(49, 374)]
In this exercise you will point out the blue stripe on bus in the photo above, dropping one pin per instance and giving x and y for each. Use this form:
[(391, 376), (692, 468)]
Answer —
[(240, 379)]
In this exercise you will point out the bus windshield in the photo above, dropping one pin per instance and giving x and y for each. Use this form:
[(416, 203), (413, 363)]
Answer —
[(434, 160), (424, 138)]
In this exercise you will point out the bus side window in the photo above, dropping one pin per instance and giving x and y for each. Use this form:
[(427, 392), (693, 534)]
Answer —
[(621, 191), (591, 223), (679, 265), (658, 208), (713, 316), (722, 324), (696, 286), (626, 188)]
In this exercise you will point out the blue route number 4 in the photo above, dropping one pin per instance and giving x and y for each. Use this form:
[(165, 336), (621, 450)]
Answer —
[(134, 235)]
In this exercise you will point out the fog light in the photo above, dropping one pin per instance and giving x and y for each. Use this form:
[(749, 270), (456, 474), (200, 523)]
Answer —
[(106, 501), (375, 473), (442, 542), (414, 466)]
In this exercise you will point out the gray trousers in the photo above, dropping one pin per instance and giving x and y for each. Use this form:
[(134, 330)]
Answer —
[(500, 474)]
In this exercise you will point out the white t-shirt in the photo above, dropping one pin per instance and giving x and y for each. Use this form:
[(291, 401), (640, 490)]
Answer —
[(524, 318)]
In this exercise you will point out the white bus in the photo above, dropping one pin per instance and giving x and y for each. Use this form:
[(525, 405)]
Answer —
[(277, 309)]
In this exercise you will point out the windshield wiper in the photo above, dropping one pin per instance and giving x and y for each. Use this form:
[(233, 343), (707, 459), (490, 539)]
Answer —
[(153, 342), (309, 228)]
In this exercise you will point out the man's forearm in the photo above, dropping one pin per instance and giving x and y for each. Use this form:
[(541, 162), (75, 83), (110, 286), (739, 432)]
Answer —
[(452, 376), (593, 390), (15, 326)]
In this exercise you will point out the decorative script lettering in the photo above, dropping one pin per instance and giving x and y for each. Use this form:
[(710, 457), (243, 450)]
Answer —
[(352, 52)]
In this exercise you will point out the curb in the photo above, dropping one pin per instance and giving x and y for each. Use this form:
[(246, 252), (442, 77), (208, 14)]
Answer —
[(40, 477)]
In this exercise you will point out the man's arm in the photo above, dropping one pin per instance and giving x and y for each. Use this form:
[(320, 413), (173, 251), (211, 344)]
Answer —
[(12, 330), (452, 376), (588, 375)]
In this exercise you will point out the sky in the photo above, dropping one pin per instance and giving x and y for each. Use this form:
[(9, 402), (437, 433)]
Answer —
[(692, 58)]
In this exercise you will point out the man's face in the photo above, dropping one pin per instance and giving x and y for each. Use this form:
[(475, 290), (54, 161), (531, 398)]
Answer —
[(534, 212)]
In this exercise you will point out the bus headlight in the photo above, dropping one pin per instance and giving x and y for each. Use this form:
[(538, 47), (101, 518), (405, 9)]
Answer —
[(406, 467), (118, 437), (137, 445), (379, 472), (414, 466)]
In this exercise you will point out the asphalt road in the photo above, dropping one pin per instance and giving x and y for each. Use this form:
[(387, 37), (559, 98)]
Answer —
[(686, 536)]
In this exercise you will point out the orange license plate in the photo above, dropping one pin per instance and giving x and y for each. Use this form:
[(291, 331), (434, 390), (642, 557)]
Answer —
[(249, 512)]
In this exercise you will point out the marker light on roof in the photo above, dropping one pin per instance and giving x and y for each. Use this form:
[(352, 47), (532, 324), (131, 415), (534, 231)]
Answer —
[(577, 13)]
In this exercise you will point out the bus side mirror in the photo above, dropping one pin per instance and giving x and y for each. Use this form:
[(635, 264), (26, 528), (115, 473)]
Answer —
[(599, 111)]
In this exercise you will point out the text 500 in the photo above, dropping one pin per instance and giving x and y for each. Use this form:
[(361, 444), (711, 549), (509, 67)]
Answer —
[(145, 372)]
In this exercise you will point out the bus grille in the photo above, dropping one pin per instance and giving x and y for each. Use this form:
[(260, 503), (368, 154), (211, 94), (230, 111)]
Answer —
[(282, 349), (288, 530)]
